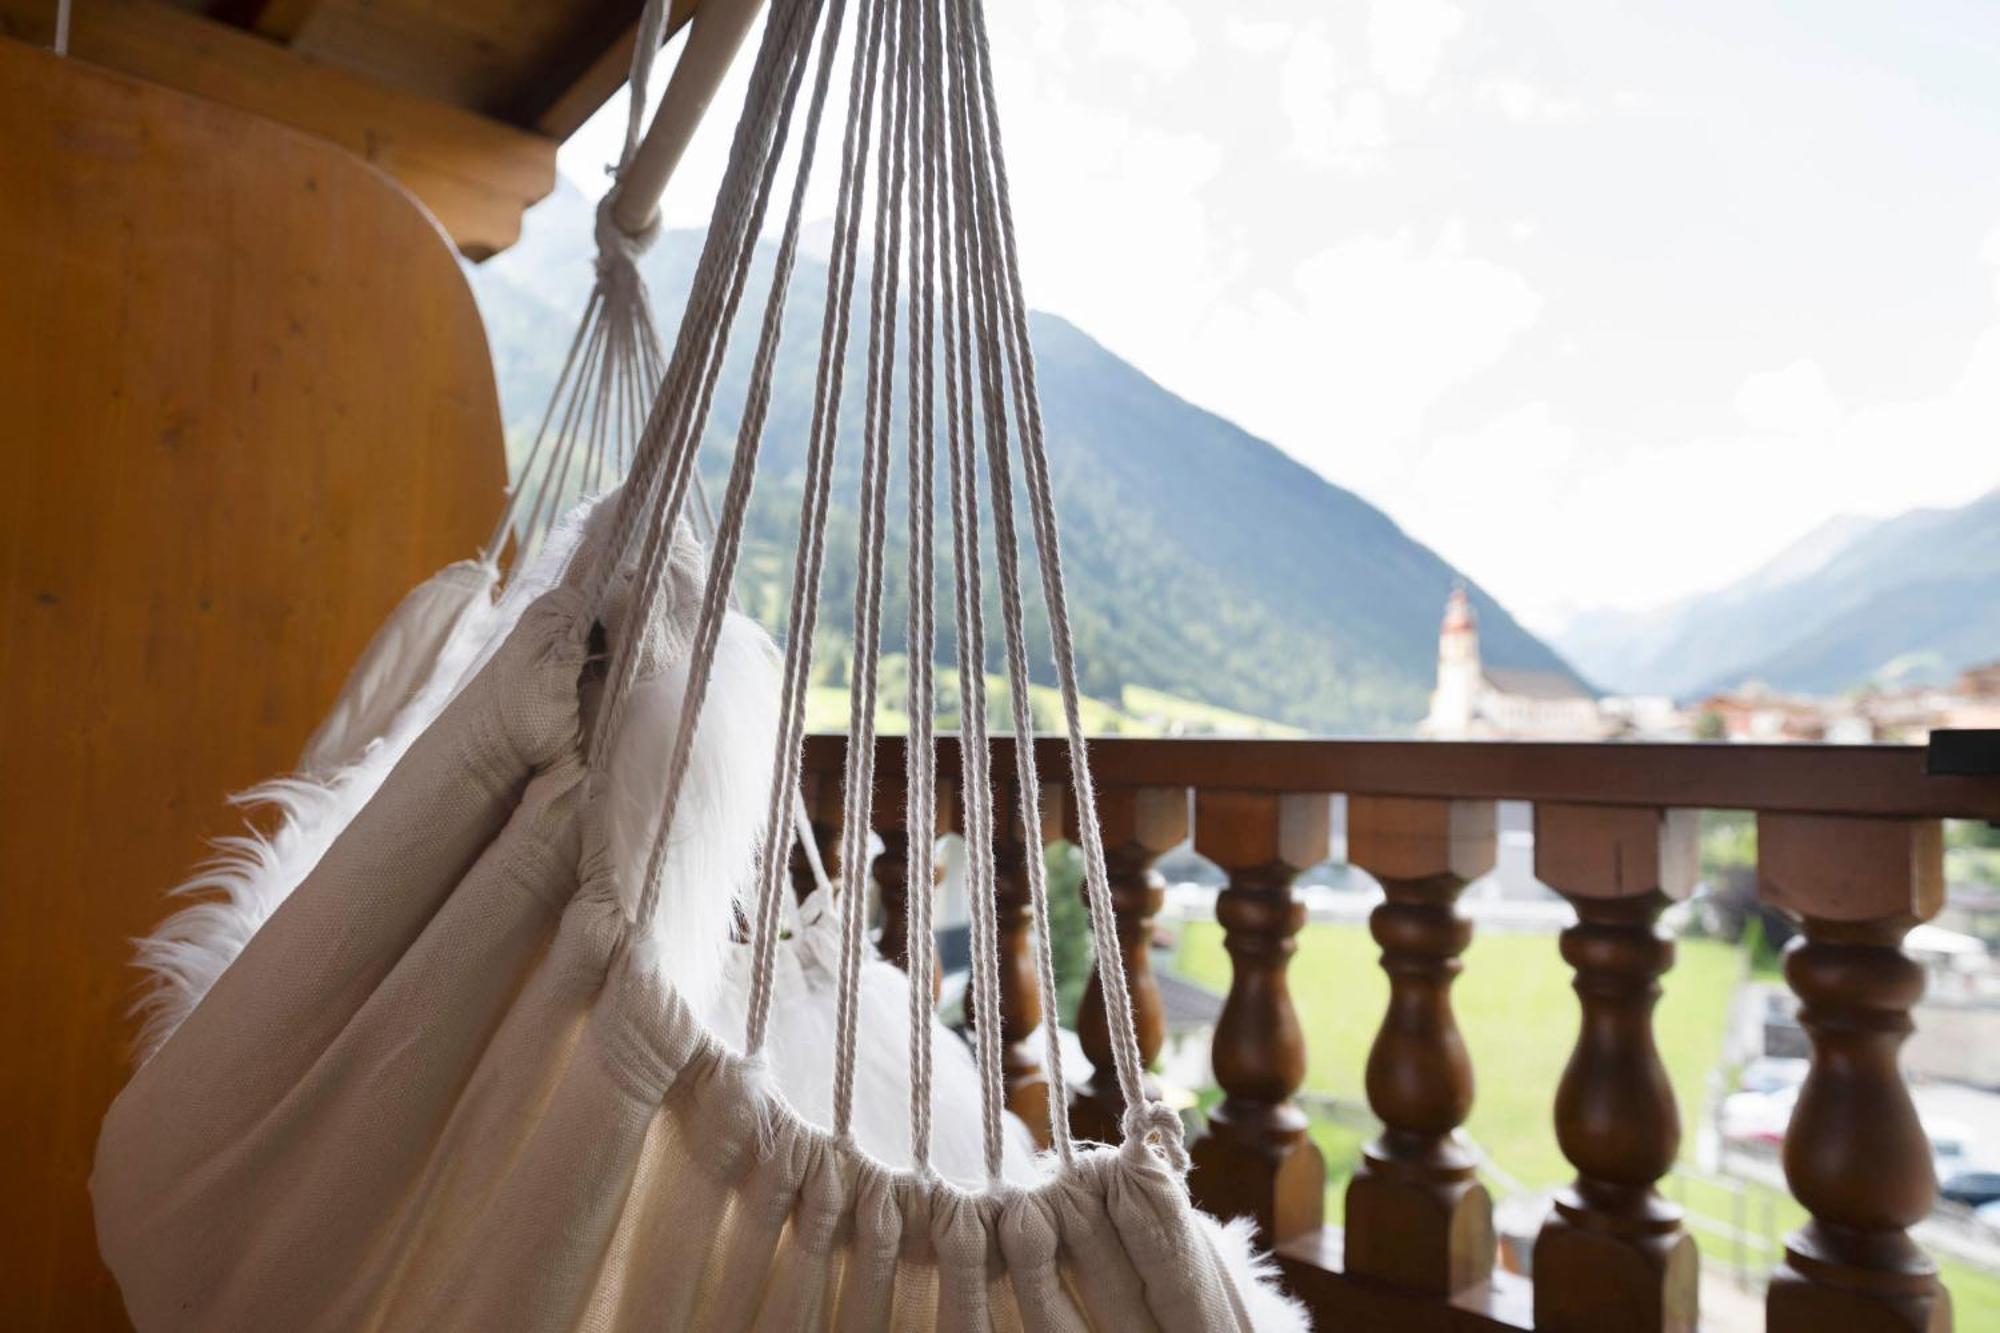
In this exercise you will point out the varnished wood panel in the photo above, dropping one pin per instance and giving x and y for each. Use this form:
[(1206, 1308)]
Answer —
[(543, 64), (476, 174), (537, 64), (245, 403)]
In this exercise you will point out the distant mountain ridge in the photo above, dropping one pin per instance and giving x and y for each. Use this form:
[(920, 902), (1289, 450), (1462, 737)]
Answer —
[(1915, 598), (1203, 561)]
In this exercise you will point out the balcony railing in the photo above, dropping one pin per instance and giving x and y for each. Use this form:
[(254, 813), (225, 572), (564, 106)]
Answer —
[(1849, 843)]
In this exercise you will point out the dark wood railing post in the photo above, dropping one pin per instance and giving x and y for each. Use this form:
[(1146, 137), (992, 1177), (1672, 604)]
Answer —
[(1613, 1253), (1255, 1159), (892, 872), (1417, 1216), (1855, 1154), (822, 796), (1139, 824), (896, 868), (1020, 992)]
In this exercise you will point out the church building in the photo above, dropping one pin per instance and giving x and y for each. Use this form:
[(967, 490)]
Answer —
[(1477, 702)]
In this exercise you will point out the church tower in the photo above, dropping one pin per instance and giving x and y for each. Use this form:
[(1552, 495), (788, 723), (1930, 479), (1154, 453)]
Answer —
[(1454, 703)]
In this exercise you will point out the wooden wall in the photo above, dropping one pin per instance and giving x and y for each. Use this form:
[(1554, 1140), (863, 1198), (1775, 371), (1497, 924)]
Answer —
[(245, 403)]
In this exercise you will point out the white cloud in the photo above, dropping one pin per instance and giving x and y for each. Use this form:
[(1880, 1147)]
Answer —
[(1793, 401), (1335, 122), (1448, 497), (1551, 521), (1153, 34), (1395, 323), (1406, 41), (1520, 100), (1257, 36)]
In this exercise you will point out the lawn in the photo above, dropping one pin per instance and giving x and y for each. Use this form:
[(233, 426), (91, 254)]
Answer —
[(1518, 1015), (1513, 987)]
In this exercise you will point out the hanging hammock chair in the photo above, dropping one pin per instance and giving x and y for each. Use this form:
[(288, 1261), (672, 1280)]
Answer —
[(448, 626), (464, 1076)]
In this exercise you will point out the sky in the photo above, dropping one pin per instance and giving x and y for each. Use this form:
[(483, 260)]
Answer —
[(1605, 303)]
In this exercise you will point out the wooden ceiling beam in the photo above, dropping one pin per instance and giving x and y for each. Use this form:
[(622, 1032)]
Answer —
[(589, 76), (475, 174), (279, 20)]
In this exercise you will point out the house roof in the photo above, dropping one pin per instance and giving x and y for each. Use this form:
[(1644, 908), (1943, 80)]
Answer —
[(1186, 1005), (1547, 685)]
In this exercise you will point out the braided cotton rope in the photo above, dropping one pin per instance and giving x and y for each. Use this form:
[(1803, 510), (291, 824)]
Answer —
[(722, 566), (822, 440), (729, 525), (699, 323), (646, 40), (975, 760), (665, 453), (665, 460), (996, 214), (934, 79), (599, 371), (557, 399), (865, 677), (1007, 548), (920, 790)]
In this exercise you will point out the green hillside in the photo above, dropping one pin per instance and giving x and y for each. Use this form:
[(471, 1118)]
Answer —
[(1915, 598), (1205, 564)]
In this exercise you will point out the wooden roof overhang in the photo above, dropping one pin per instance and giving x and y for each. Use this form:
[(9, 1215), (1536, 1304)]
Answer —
[(462, 101)]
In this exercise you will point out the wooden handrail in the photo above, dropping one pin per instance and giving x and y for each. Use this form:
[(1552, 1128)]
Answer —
[(1874, 780)]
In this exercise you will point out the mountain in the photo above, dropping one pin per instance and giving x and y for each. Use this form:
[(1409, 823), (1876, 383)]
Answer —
[(1203, 562), (1914, 598)]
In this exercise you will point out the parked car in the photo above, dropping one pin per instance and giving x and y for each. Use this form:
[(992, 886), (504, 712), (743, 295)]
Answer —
[(1757, 1119), (1773, 1074), (1975, 1188), (1954, 1148)]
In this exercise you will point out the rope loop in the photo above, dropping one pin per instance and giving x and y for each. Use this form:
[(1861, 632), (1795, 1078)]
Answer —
[(617, 248), (1156, 1124)]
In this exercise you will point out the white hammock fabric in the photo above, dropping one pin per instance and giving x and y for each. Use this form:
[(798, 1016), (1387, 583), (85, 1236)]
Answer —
[(454, 603), (255, 875), (447, 1087), (463, 1078)]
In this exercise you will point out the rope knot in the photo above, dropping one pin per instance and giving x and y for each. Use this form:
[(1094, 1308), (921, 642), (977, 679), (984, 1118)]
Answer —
[(1157, 1124), (616, 247)]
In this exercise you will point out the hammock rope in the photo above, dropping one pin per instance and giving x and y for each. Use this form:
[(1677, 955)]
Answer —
[(895, 58), (969, 603), (920, 788)]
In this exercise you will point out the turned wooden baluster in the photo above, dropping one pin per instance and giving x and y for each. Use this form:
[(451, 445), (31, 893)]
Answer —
[(1855, 1154), (1417, 1216), (1613, 1253), (1255, 1160), (1139, 824), (891, 873), (1020, 991), (821, 794), (893, 870)]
